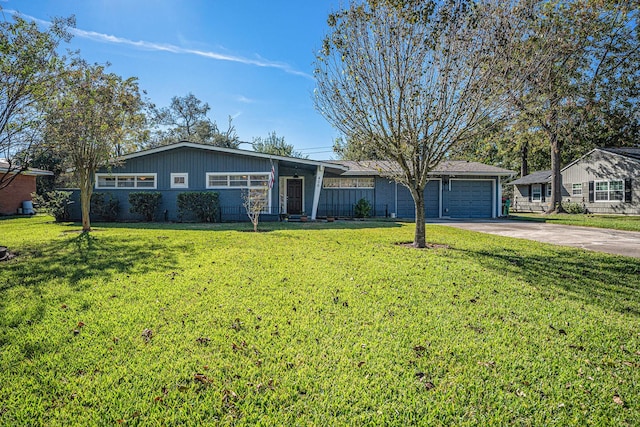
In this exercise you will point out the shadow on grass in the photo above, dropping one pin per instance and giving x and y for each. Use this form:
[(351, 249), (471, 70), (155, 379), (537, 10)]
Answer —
[(85, 256), (602, 280), (244, 226)]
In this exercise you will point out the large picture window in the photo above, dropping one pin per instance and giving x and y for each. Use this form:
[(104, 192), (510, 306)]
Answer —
[(125, 180), (348, 183), (606, 191)]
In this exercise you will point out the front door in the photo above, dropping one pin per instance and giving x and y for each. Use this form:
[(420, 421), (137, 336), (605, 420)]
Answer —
[(294, 196)]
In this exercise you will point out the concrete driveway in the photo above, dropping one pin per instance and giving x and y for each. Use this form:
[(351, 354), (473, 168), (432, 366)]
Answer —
[(595, 239)]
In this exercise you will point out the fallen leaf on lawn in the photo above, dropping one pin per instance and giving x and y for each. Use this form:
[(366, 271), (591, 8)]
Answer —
[(63, 306), (618, 400), (420, 350), (201, 378), (203, 340), (520, 393), (80, 324), (147, 334), (429, 385), (157, 398), (76, 332), (360, 364), (182, 387), (489, 364)]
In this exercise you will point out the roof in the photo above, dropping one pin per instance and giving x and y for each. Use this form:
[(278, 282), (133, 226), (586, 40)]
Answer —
[(539, 177), (446, 167), (187, 144), (7, 167), (633, 152)]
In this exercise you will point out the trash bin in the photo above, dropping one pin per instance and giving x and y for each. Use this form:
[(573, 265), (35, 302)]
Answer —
[(27, 207)]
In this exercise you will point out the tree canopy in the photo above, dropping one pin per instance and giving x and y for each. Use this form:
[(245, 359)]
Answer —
[(274, 144), (91, 112), (29, 69)]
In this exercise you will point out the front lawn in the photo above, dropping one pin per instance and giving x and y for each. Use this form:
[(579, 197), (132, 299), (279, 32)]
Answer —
[(615, 222), (312, 324)]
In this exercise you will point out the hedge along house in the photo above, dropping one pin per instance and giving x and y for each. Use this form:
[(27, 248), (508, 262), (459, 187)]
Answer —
[(300, 186), (605, 180), (19, 189)]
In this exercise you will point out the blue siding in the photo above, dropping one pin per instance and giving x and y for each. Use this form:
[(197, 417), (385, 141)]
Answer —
[(197, 163), (406, 207)]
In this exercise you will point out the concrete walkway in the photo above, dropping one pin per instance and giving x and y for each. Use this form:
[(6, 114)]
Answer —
[(595, 239)]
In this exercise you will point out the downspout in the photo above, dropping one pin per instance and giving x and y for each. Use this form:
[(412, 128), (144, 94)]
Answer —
[(499, 204), (316, 192)]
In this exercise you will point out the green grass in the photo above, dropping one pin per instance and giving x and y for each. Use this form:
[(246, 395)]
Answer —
[(312, 324), (615, 222)]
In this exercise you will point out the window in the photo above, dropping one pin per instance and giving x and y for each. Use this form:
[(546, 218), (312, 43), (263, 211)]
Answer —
[(536, 193), (237, 180), (548, 187), (179, 180), (576, 189), (125, 181), (348, 183), (606, 191)]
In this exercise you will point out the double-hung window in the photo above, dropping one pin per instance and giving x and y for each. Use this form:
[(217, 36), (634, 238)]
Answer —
[(606, 191), (576, 189), (536, 193)]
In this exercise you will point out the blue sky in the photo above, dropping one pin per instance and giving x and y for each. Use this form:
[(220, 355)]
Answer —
[(249, 59)]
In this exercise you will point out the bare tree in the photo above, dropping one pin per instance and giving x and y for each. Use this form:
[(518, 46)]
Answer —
[(255, 201), (410, 80)]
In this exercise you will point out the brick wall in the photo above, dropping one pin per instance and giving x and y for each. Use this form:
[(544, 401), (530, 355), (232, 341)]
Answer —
[(19, 190)]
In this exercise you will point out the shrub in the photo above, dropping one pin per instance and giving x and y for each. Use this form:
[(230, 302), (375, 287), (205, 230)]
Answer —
[(55, 202), (362, 208), (204, 205), (573, 208), (145, 204), (105, 206)]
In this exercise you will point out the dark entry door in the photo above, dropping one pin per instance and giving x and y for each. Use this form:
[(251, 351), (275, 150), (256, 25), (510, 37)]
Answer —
[(294, 196)]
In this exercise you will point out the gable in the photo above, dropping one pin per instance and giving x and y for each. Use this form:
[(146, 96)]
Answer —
[(601, 164)]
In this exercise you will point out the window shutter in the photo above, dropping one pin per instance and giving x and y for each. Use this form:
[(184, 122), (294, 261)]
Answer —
[(591, 191), (530, 188), (628, 190), (543, 192)]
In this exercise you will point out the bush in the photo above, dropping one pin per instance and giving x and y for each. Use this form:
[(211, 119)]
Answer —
[(55, 202), (204, 205), (362, 208), (105, 206), (573, 208), (145, 204)]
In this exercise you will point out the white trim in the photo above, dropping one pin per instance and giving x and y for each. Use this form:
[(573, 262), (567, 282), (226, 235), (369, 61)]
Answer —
[(539, 199), (229, 174), (316, 192), (608, 191), (135, 182), (188, 144), (185, 175), (283, 191)]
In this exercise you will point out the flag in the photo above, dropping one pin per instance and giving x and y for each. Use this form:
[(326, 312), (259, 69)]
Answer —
[(272, 176)]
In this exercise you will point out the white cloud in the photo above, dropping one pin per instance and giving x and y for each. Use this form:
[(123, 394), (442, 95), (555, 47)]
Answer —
[(244, 99), (167, 47)]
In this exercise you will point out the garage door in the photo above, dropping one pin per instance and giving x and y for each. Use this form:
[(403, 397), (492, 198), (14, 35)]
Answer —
[(470, 199), (406, 207)]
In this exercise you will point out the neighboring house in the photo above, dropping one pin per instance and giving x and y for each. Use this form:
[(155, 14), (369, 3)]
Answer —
[(317, 188), (19, 189), (605, 180)]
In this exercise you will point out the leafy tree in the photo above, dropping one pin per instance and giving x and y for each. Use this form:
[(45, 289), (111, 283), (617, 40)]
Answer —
[(580, 63), (409, 80), (186, 120), (29, 69), (87, 117), (274, 144)]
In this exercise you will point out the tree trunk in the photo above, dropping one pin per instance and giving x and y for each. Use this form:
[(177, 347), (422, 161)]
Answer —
[(555, 205), (419, 240), (524, 159), (85, 199)]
